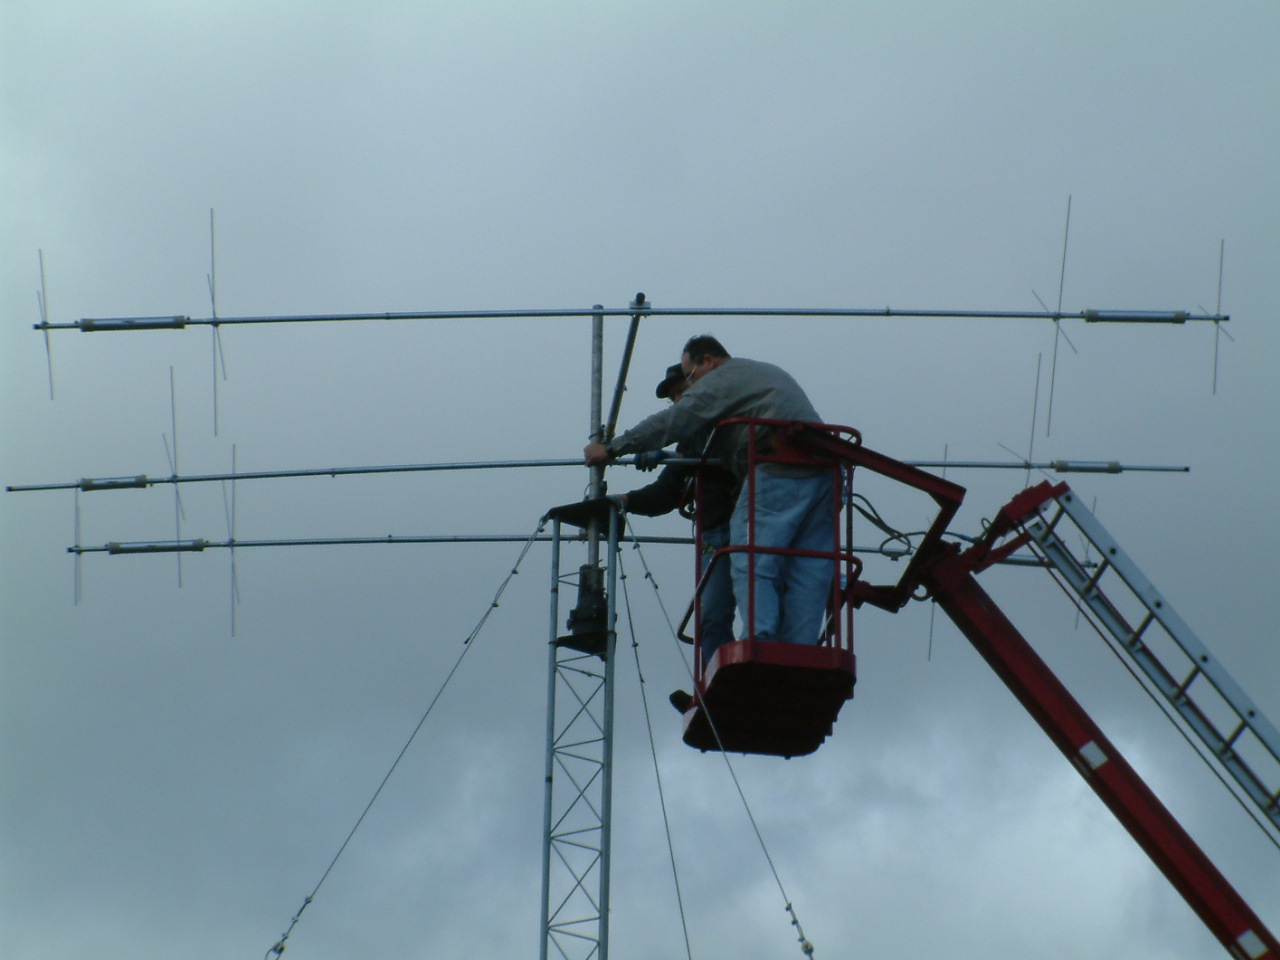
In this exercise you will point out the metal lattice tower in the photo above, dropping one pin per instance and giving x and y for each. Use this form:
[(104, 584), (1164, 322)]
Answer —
[(579, 774)]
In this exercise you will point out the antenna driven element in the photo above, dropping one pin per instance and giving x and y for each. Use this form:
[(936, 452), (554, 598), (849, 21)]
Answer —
[(1035, 409), (219, 357), (42, 296), (1057, 325), (1217, 323)]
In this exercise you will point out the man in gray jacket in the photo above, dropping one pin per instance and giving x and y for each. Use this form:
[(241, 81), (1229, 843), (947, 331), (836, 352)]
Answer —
[(673, 490), (793, 503)]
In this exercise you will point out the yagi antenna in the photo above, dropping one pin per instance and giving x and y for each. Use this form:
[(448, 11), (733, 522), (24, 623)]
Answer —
[(219, 357), (42, 296)]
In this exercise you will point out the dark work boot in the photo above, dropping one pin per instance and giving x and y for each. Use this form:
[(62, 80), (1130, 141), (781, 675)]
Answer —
[(681, 701)]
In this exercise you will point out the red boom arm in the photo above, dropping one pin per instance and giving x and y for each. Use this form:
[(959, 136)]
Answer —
[(950, 578)]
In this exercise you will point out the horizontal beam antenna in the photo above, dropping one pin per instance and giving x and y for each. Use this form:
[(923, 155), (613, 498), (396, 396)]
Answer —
[(117, 548), (140, 481), (94, 325)]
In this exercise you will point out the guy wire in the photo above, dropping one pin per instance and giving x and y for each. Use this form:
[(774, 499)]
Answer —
[(805, 946), (653, 752), (279, 946)]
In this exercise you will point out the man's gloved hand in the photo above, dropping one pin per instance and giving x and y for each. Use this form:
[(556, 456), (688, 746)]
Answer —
[(650, 459)]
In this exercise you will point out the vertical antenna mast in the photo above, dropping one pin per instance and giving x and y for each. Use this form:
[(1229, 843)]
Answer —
[(593, 548), (597, 427), (578, 792)]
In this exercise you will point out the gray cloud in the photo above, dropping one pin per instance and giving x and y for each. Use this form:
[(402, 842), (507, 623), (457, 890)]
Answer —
[(168, 787)]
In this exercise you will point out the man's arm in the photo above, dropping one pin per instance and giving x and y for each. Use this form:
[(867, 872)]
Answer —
[(706, 403), (661, 496), (632, 441)]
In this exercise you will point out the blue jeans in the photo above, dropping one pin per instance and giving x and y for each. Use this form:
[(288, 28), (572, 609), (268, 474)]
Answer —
[(791, 593), (716, 624)]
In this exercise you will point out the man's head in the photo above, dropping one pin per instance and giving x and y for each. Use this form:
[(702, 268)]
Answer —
[(673, 384), (702, 354)]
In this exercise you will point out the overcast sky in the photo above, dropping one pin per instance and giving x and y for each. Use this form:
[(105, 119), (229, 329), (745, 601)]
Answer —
[(169, 789)]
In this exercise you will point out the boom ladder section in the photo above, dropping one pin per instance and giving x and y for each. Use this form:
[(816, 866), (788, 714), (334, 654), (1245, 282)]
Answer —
[(950, 580), (1229, 724)]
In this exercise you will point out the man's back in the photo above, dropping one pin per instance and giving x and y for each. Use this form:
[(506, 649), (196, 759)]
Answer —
[(738, 387)]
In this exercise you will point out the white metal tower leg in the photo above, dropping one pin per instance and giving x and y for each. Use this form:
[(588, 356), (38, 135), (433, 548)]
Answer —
[(549, 768), (606, 787), (1225, 719)]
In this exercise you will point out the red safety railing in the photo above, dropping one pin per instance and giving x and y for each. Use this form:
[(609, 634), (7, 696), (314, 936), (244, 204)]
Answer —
[(778, 444)]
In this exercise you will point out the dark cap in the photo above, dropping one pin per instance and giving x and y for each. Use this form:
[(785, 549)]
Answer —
[(675, 378)]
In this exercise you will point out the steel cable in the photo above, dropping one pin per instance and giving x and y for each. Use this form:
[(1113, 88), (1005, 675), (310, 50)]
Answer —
[(653, 752), (806, 947), (279, 946)]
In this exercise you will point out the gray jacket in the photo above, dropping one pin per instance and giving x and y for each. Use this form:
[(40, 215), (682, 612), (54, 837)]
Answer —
[(737, 388)]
